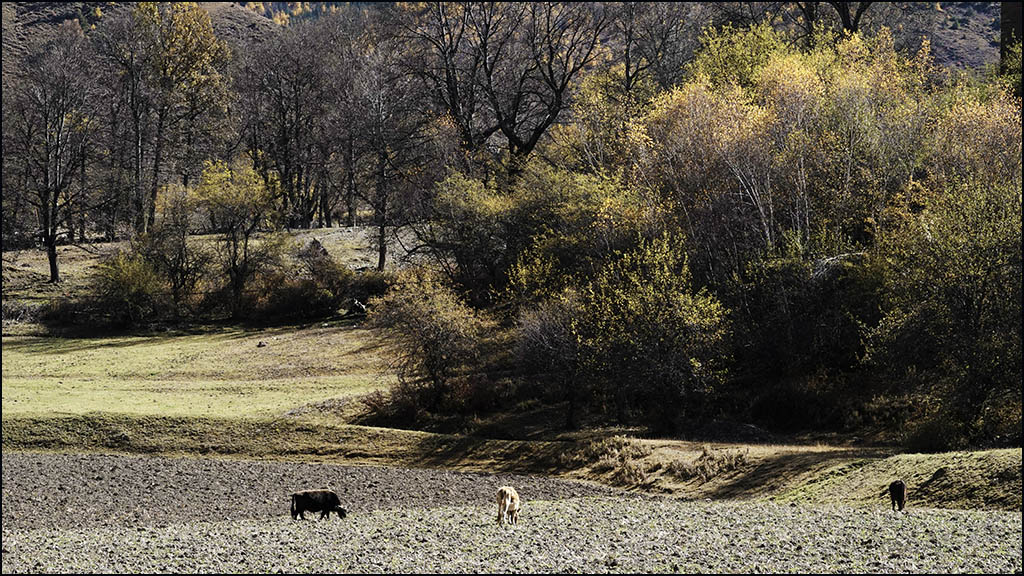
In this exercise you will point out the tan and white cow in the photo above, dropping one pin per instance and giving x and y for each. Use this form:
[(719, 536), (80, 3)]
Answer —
[(508, 505)]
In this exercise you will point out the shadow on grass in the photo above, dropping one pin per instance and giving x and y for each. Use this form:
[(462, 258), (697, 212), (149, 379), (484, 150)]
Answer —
[(773, 474), (278, 438), (83, 339), (511, 456)]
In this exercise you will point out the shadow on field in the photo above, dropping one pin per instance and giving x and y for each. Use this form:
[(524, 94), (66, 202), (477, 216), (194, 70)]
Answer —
[(87, 340), (82, 342), (774, 473), (438, 451)]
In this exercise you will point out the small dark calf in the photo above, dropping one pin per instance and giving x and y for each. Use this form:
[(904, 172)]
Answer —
[(322, 501), (898, 494)]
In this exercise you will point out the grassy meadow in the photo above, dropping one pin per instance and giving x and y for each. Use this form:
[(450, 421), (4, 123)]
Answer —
[(223, 372)]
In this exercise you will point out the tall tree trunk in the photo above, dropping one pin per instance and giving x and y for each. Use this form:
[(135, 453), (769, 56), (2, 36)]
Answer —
[(810, 13), (190, 150), (157, 159), (381, 214), (50, 203), (81, 202), (325, 201), (139, 204), (50, 231), (350, 192), (51, 255), (114, 186), (137, 194), (319, 202)]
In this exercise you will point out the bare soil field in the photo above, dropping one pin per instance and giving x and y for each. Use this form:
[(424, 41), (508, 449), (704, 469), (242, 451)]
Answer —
[(88, 490), (105, 513)]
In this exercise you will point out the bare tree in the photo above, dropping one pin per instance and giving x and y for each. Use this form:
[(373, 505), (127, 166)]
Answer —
[(666, 37), (445, 59), (850, 13), (530, 54), (338, 136), (393, 132), (283, 93), (52, 125), (124, 56)]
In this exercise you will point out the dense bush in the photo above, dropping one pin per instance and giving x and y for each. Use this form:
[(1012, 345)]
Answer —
[(939, 433), (548, 349), (661, 344), (650, 342), (239, 206), (315, 287), (797, 314), (368, 284), (434, 334), (180, 260), (953, 302), (128, 290)]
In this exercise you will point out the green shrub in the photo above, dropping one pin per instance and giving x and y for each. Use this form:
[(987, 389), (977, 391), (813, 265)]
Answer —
[(61, 312), (801, 314), (432, 332), (1000, 422), (128, 290), (399, 407), (655, 342), (952, 324), (815, 401), (315, 288), (180, 260), (548, 351), (368, 284)]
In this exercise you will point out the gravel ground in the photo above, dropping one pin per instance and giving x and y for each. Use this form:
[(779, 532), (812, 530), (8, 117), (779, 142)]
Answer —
[(564, 526)]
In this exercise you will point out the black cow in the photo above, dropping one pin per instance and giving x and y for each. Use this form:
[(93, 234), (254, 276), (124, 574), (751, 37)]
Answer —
[(322, 501), (898, 494)]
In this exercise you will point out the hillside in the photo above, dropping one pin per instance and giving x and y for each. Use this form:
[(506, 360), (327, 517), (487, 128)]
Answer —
[(25, 20), (962, 34), (967, 34)]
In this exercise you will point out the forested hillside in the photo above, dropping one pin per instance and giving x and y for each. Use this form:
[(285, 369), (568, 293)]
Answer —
[(669, 215)]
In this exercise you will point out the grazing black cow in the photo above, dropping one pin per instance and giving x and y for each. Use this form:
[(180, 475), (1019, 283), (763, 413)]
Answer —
[(898, 494), (322, 501)]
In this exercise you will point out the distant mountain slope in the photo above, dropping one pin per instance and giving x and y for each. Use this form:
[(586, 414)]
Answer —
[(967, 34), (24, 20), (962, 34)]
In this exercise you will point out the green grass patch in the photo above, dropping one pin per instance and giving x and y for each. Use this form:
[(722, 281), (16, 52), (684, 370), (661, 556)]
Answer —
[(222, 373), (989, 479)]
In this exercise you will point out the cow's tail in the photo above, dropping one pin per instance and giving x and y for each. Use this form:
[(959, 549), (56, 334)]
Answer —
[(293, 505)]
